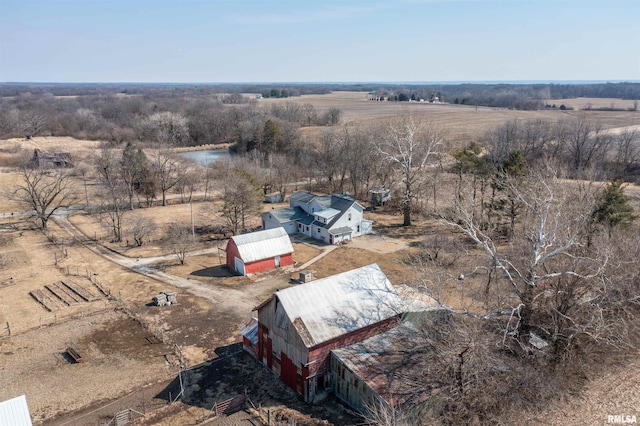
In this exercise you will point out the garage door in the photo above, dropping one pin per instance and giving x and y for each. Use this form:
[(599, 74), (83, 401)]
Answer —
[(239, 265)]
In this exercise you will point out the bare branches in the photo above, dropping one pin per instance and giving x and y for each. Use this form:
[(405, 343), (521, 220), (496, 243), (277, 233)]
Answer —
[(410, 146), (45, 192)]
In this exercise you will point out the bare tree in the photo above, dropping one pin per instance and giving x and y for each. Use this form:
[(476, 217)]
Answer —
[(165, 167), (167, 128), (112, 192), (627, 150), (585, 143), (241, 200), (141, 229), (180, 239), (410, 146), (45, 192), (546, 271)]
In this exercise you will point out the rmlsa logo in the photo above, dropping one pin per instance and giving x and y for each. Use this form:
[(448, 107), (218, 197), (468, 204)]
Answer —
[(620, 419)]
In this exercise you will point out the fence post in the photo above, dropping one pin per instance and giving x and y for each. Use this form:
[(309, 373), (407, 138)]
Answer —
[(8, 329)]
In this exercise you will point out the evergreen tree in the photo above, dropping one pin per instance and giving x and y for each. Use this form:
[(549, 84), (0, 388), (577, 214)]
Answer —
[(613, 208)]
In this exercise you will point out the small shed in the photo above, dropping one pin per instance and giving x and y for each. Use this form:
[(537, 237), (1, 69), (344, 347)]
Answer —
[(259, 251), (379, 195), (274, 197)]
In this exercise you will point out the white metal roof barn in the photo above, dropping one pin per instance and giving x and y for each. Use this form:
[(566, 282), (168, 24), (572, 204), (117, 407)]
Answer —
[(259, 251), (15, 412), (330, 307)]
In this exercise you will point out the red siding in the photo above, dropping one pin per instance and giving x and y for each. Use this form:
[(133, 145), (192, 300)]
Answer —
[(288, 371), (267, 264), (320, 354), (258, 266), (232, 252)]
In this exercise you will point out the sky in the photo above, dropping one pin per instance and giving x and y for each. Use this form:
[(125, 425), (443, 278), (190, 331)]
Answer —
[(227, 41)]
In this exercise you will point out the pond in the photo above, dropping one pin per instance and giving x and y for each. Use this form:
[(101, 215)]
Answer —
[(204, 158)]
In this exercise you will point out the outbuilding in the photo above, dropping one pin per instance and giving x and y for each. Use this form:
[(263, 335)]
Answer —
[(259, 251), (299, 326)]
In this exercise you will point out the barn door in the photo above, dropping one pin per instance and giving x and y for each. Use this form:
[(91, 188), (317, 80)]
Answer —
[(276, 261), (239, 264)]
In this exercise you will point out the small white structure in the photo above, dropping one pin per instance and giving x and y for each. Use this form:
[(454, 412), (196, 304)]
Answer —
[(15, 412)]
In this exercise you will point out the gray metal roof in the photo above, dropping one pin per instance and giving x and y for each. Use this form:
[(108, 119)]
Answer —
[(263, 244), (302, 196), (330, 307), (289, 214), (341, 231), (15, 412), (327, 213), (324, 201)]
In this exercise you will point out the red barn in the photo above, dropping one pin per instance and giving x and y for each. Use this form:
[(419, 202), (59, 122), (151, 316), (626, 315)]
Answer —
[(299, 326), (259, 251)]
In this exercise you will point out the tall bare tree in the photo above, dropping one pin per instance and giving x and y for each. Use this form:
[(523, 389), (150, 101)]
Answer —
[(410, 146), (112, 192), (166, 169), (180, 239), (45, 192), (241, 199), (546, 274)]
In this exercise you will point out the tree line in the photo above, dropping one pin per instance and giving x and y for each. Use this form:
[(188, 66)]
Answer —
[(186, 120)]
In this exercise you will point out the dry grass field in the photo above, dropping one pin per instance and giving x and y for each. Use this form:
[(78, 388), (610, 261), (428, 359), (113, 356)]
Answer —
[(462, 123), (111, 332)]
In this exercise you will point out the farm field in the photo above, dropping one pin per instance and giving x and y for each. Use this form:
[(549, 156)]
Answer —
[(462, 123), (117, 332)]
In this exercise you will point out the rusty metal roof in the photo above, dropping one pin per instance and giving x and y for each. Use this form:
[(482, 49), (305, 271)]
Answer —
[(263, 244), (15, 412), (330, 307), (394, 364), (250, 330)]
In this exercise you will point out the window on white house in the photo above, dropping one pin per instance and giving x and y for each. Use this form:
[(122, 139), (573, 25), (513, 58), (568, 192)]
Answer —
[(349, 216)]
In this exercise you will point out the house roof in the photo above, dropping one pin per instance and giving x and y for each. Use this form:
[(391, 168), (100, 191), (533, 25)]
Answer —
[(302, 197), (330, 307), (327, 213), (263, 244), (15, 412), (341, 231), (289, 214), (393, 364)]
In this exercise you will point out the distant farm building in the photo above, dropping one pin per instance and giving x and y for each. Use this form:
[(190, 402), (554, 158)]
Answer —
[(259, 251), (46, 159), (299, 326), (332, 218), (274, 197)]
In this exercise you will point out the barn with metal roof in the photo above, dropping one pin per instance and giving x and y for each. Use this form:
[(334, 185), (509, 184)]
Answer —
[(259, 251), (15, 412), (299, 326)]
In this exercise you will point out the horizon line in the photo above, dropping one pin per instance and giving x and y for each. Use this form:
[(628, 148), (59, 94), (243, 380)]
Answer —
[(355, 82)]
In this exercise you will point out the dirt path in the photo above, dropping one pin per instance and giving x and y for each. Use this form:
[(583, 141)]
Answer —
[(215, 294)]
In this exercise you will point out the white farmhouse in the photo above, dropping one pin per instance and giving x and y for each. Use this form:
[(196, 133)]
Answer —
[(331, 218)]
